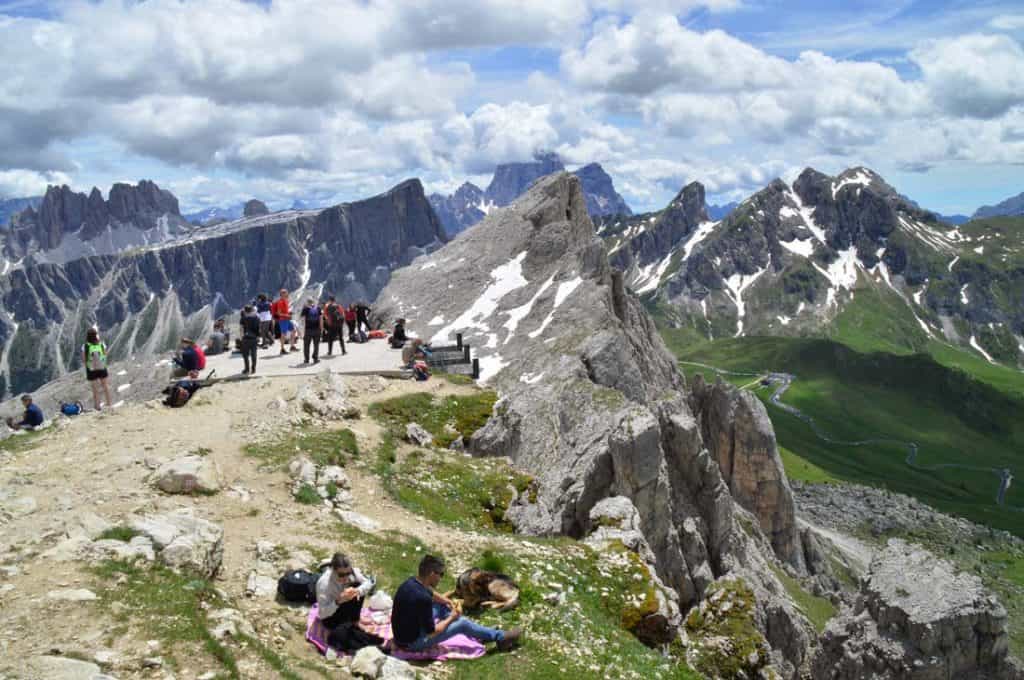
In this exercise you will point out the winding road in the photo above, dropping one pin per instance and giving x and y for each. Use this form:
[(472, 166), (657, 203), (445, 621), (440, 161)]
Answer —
[(782, 382)]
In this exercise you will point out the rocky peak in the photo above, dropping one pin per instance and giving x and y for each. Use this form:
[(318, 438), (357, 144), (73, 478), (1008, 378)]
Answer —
[(592, 404), (255, 208), (462, 209), (512, 179), (63, 212), (602, 199)]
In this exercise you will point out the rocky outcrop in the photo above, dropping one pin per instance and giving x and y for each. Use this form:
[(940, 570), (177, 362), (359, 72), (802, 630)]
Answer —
[(901, 629), (144, 300), (9, 207), (737, 431), (68, 224), (255, 208), (192, 474), (592, 403), (600, 193), (184, 541), (512, 179), (462, 209)]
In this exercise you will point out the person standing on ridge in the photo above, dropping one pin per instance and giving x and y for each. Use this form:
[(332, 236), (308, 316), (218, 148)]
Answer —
[(350, 320), (266, 321), (94, 358), (282, 312), (314, 318), (251, 328), (334, 325)]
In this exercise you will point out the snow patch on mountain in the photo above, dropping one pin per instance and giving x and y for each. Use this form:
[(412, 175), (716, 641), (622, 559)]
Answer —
[(702, 231), (737, 284), (804, 248), (564, 290), (517, 314), (505, 278), (975, 345), (861, 177)]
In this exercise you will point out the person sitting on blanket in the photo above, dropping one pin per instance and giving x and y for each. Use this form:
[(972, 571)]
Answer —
[(417, 606), (340, 592), (339, 598)]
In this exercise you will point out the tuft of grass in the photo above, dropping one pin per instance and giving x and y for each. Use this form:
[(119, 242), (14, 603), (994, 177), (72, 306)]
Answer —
[(332, 490), (169, 606), (818, 610), (253, 512), (491, 560), (119, 533), (729, 617), (457, 378), (307, 495), (446, 418), (323, 447), (201, 451), (470, 493), (26, 441)]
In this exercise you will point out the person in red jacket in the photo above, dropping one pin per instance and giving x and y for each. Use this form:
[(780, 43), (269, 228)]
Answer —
[(282, 312)]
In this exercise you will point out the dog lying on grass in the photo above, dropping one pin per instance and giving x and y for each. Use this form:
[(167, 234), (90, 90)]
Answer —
[(476, 588)]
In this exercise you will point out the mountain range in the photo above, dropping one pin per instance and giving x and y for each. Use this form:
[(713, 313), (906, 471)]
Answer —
[(146, 297), (811, 257), (469, 204), (69, 225)]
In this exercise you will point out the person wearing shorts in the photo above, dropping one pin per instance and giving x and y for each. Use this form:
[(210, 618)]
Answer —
[(94, 356), (282, 313)]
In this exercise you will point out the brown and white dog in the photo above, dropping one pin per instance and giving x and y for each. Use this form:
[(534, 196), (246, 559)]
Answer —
[(476, 587)]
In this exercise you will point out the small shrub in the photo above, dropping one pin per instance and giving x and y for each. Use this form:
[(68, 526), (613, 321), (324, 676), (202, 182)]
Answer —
[(492, 561), (307, 495), (119, 533), (332, 490)]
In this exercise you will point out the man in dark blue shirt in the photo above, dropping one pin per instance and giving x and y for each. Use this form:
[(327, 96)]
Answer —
[(32, 418), (417, 606)]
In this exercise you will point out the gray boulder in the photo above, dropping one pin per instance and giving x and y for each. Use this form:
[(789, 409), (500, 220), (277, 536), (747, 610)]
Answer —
[(368, 662), (62, 668), (184, 541), (916, 618), (187, 475), (326, 396), (415, 434)]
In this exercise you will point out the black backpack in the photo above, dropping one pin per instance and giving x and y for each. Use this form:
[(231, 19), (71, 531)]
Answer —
[(298, 586)]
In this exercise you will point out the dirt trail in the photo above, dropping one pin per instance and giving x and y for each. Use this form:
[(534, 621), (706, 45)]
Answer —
[(96, 466)]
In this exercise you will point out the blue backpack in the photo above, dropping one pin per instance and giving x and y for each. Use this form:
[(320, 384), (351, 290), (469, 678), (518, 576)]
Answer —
[(72, 409)]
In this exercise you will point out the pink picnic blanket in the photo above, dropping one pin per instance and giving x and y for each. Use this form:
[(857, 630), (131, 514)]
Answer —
[(458, 647)]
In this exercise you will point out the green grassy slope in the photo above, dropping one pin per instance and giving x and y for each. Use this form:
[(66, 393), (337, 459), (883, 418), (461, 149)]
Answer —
[(953, 417)]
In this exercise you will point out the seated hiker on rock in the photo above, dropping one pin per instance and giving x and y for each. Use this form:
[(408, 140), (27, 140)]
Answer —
[(398, 337), (190, 360), (218, 340), (417, 607), (30, 419), (413, 351)]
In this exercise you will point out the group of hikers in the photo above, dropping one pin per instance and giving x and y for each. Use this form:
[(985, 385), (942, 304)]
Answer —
[(261, 324), (421, 617)]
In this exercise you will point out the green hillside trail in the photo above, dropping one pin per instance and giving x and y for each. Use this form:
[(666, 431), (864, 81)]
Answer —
[(783, 381)]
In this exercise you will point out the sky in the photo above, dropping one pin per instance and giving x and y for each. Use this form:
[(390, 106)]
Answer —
[(224, 100)]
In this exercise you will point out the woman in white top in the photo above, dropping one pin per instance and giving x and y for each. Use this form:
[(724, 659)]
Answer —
[(340, 592)]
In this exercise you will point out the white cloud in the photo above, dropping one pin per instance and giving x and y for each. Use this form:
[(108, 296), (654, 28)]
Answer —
[(1008, 22), (28, 182), (973, 75)]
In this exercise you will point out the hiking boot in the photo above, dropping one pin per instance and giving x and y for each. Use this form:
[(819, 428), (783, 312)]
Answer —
[(511, 640)]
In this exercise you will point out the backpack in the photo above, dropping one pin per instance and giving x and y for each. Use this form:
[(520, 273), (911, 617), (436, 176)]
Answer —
[(72, 409), (420, 370), (312, 315), (298, 585), (97, 356)]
